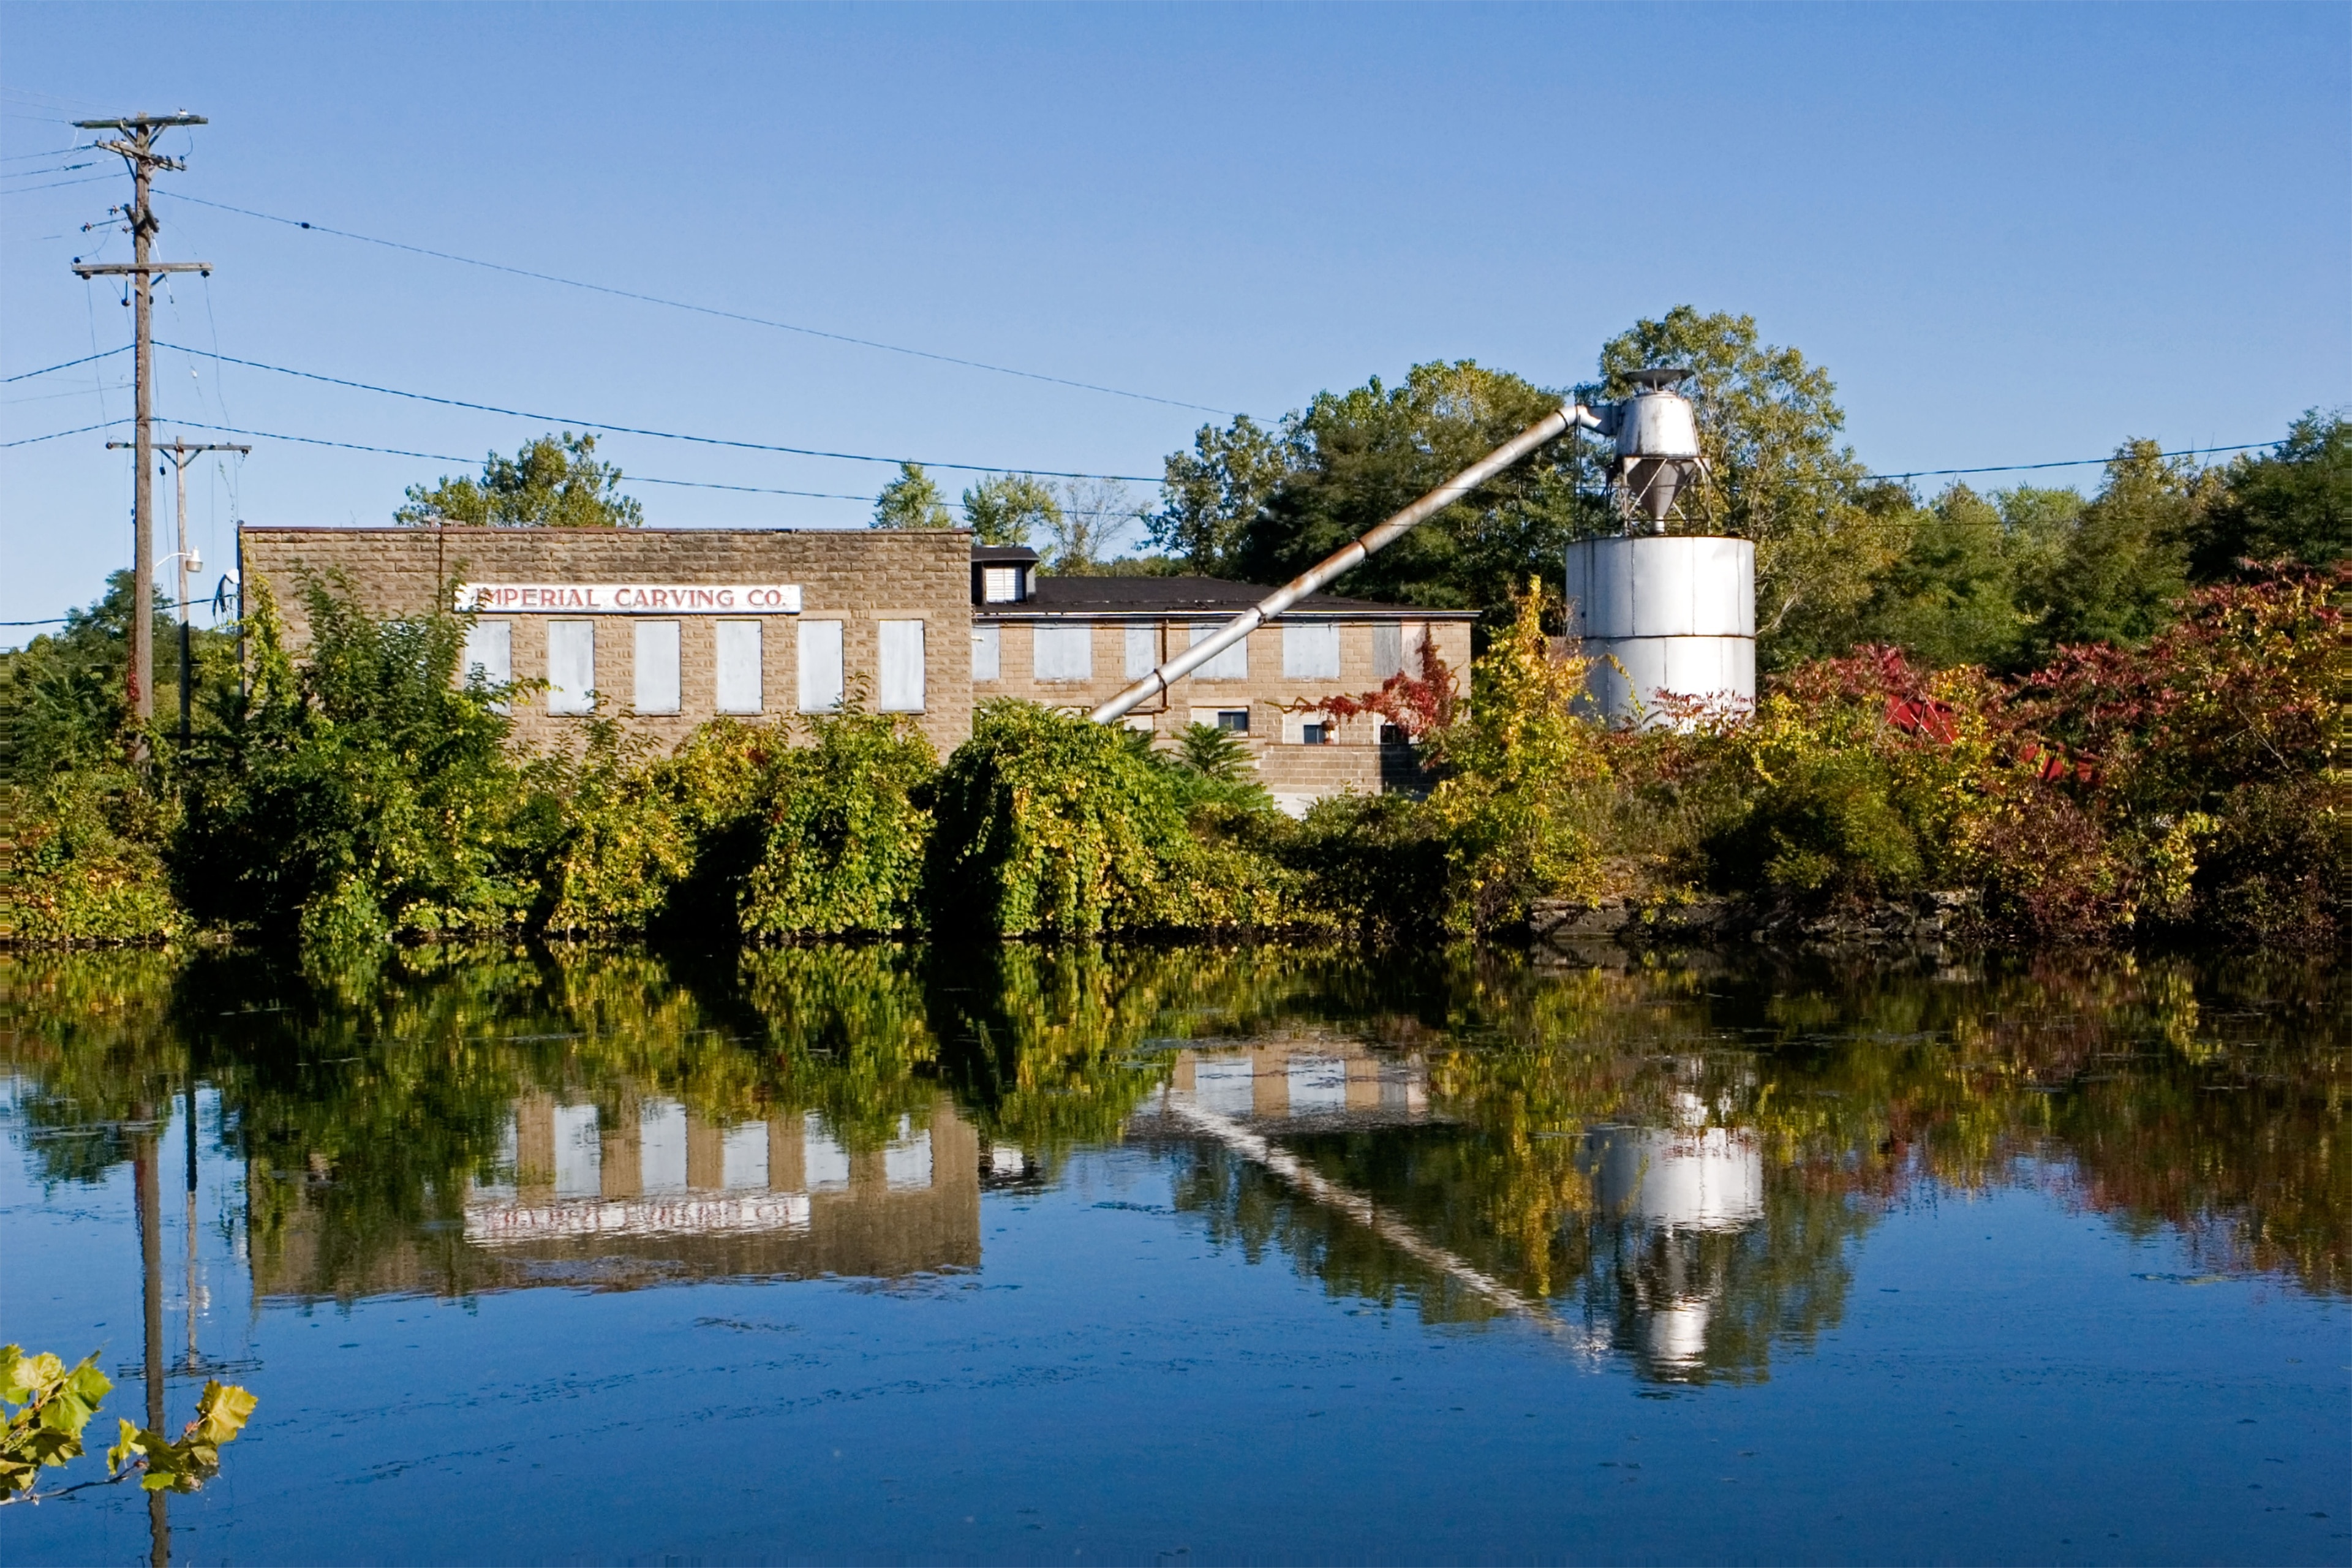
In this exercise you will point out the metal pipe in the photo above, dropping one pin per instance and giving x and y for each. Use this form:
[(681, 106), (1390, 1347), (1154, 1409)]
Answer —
[(1550, 427)]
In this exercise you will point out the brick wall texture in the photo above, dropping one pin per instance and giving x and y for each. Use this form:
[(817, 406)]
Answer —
[(859, 578), (1293, 772)]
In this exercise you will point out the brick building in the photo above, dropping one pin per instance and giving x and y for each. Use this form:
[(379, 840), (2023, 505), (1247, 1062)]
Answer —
[(666, 629), (1074, 642)]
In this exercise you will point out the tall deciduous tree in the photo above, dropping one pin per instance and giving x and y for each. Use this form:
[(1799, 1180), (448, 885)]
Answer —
[(911, 500), (1088, 515), (1356, 456), (553, 483), (1212, 493), (1005, 508)]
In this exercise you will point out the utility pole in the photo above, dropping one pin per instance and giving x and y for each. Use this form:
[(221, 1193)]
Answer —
[(180, 452), (137, 146)]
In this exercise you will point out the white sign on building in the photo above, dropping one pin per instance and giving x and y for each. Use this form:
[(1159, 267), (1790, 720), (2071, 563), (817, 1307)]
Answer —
[(631, 598)]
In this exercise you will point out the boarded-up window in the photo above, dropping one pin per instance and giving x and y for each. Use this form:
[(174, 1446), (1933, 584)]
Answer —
[(819, 662), (1000, 585), (1142, 651), (571, 667), (1396, 648), (1231, 665), (987, 653), (1311, 651), (737, 655), (901, 682), (489, 655), (657, 666), (1063, 653)]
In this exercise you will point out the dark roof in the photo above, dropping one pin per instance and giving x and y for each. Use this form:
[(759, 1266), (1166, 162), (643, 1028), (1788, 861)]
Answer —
[(1056, 596), (995, 554)]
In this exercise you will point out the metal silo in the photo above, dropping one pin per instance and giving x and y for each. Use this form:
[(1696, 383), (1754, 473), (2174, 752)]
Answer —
[(1660, 613)]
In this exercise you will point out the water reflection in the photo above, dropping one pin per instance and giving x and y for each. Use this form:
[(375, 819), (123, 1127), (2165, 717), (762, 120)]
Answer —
[(1673, 1167)]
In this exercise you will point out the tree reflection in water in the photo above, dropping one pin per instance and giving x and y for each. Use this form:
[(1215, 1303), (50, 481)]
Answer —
[(1679, 1161)]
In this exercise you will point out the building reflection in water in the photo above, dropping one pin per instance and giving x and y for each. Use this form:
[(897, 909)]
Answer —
[(1282, 1079), (583, 1194)]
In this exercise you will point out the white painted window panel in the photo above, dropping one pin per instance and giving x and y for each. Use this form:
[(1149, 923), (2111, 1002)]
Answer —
[(820, 666), (1142, 651), (571, 667), (657, 666), (1221, 1084), (1063, 653), (987, 653), (1388, 650), (1311, 651), (735, 653), (1231, 665), (907, 1161), (1318, 1085), (743, 1157), (825, 1163), (489, 655), (579, 1153), (901, 680), (661, 1147), (1000, 585)]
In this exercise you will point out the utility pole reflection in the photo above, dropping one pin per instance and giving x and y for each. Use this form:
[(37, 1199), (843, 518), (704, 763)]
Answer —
[(150, 1182)]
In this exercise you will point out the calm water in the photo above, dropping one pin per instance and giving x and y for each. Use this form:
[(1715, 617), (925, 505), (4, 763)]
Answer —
[(1188, 1257)]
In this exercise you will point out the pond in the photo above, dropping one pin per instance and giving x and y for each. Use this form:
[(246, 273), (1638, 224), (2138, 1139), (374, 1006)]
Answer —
[(1193, 1255)]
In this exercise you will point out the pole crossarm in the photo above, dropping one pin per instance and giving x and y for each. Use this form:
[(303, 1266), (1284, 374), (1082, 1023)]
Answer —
[(138, 268), (176, 449), (1550, 427)]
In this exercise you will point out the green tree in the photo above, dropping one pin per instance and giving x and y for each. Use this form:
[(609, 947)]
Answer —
[(1002, 509), (911, 500), (552, 482), (2295, 502), (2125, 558), (1356, 457), (1952, 596), (1212, 493), (1776, 474)]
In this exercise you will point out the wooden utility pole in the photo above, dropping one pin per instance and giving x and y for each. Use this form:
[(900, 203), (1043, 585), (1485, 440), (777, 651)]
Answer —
[(180, 452), (137, 146)]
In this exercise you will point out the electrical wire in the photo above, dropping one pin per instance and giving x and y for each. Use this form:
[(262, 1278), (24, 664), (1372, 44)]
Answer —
[(698, 310), (67, 365), (450, 458), (656, 435), (28, 190)]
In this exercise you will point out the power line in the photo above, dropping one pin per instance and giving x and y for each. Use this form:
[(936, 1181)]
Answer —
[(704, 309), (55, 184), (626, 478), (59, 435), (656, 435), (46, 369), (2070, 462)]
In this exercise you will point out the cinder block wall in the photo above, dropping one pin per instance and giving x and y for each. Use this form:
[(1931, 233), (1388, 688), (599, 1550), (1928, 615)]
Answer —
[(1265, 691), (859, 577)]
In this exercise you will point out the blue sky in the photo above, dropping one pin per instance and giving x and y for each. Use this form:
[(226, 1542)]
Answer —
[(2011, 233)]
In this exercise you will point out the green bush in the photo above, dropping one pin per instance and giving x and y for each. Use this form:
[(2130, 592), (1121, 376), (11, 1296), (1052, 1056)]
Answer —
[(362, 795), (84, 860), (1048, 825), (846, 826)]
